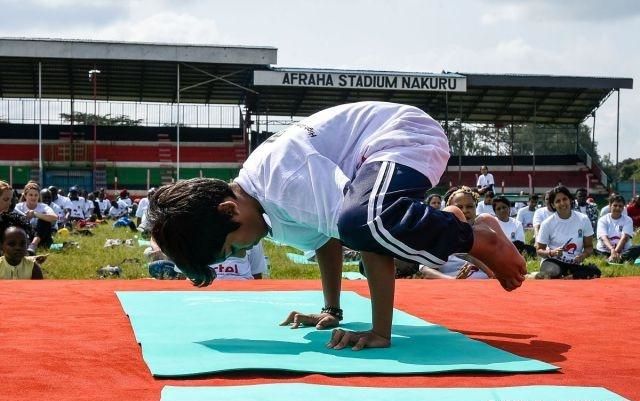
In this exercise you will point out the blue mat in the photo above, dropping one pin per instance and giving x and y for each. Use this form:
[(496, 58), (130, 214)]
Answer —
[(199, 332), (313, 392)]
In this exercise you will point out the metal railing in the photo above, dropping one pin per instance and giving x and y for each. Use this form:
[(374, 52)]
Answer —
[(593, 166), (26, 111)]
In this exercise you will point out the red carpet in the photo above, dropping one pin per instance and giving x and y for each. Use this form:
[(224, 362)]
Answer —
[(70, 340)]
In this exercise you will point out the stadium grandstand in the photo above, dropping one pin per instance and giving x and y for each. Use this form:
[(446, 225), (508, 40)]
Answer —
[(118, 114)]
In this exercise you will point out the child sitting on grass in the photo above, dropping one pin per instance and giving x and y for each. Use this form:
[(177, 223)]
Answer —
[(14, 263), (354, 174)]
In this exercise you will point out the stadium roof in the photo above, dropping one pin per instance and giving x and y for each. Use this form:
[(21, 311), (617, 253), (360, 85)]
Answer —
[(487, 98), (142, 72), (147, 72)]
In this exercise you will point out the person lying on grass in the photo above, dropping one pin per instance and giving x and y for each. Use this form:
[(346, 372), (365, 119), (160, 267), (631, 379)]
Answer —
[(354, 174)]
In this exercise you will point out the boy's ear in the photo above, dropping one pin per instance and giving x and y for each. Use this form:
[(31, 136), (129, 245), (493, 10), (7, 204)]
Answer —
[(228, 207)]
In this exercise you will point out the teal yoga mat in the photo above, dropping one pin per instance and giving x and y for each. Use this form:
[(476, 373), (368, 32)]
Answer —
[(301, 391), (192, 333)]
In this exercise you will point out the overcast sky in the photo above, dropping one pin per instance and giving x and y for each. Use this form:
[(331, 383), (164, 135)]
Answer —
[(558, 37)]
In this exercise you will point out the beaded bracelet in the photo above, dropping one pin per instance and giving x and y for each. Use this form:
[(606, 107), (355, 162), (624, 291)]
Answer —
[(333, 311)]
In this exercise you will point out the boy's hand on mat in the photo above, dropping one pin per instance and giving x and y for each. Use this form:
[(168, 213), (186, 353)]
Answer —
[(357, 340), (320, 320)]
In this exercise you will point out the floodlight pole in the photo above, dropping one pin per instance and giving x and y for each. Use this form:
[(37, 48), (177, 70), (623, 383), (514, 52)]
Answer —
[(178, 124), (93, 77), (618, 142), (40, 162)]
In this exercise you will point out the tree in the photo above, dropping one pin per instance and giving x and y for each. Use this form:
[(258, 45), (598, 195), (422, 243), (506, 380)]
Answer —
[(106, 120)]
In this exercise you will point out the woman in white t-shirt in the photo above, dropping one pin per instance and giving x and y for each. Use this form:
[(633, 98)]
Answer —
[(39, 214), (615, 231), (511, 227), (565, 239), (465, 199)]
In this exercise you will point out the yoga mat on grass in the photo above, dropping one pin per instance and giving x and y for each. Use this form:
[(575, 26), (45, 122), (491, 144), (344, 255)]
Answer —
[(302, 391), (194, 333)]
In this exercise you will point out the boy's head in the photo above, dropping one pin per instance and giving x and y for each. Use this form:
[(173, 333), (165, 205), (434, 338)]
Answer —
[(187, 225), (14, 244)]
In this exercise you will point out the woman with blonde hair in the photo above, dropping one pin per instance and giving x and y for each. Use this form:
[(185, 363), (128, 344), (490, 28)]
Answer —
[(6, 196), (465, 199), (40, 215)]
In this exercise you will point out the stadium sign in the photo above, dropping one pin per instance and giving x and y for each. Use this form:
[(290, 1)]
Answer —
[(362, 80)]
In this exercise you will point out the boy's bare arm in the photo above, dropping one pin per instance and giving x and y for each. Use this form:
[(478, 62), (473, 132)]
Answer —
[(381, 279), (329, 258)]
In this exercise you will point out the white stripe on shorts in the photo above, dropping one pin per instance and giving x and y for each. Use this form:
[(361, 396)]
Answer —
[(381, 235)]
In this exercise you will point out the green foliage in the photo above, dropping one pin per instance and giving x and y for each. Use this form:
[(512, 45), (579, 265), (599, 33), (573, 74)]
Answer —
[(629, 169), (106, 120), (521, 139)]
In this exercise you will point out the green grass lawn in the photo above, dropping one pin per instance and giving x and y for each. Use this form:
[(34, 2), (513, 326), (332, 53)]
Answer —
[(83, 261)]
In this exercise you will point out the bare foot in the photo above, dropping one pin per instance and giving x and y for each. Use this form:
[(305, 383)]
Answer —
[(495, 250)]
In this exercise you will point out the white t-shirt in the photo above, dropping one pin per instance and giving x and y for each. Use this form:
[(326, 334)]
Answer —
[(118, 211), (57, 210), (104, 204), (512, 229), (485, 180), (525, 217), (143, 205), (567, 234), (541, 215), (78, 208), (63, 202), (299, 174), (484, 208), (242, 268), (42, 208), (89, 206), (614, 229)]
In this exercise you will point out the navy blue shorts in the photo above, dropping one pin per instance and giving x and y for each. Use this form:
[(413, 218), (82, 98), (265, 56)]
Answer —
[(384, 212)]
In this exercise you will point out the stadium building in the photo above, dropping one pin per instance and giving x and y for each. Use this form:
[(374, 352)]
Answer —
[(134, 115)]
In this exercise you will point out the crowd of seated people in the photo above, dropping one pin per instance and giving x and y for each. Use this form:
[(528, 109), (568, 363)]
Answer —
[(565, 229)]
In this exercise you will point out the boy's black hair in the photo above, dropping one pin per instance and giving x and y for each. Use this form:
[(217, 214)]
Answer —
[(10, 219), (187, 226), (500, 199), (559, 190)]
